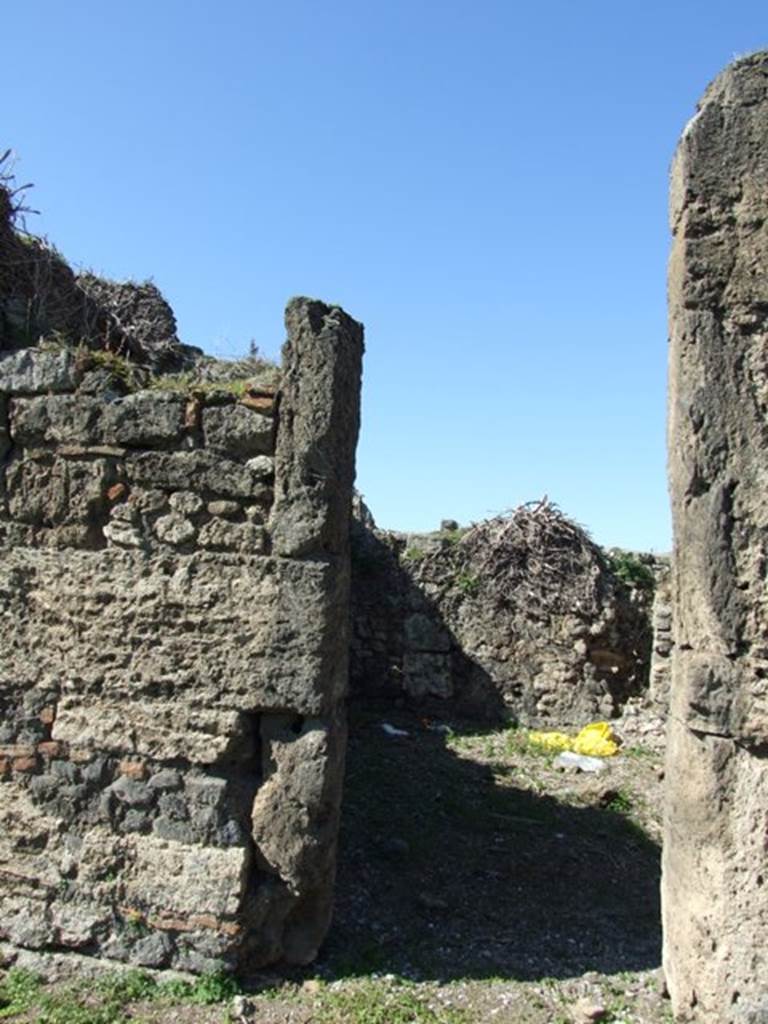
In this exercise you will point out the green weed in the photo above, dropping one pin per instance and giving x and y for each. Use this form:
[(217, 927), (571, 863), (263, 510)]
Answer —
[(467, 583), (127, 987), (413, 554), (189, 384), (372, 1003), (119, 368), (631, 570), (213, 988), (639, 752), (452, 537), (105, 1000), (621, 802), (18, 991), (22, 991)]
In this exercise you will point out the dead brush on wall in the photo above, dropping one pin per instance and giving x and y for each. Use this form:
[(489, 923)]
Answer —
[(533, 554)]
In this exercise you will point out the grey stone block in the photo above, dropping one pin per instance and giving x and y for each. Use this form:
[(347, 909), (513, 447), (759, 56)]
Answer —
[(144, 419), (237, 430), (37, 371)]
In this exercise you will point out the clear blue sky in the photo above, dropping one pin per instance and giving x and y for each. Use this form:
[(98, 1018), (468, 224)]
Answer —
[(483, 184)]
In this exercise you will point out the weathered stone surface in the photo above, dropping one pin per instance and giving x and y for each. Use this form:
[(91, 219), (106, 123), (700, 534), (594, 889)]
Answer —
[(58, 491), (5, 434), (714, 905), (220, 535), (225, 509), (145, 419), (198, 626), (171, 732), (124, 533), (209, 472), (262, 466), (57, 419), (175, 529), (160, 729), (295, 820), (426, 674), (551, 637), (238, 430), (663, 642), (186, 503), (320, 413), (32, 371)]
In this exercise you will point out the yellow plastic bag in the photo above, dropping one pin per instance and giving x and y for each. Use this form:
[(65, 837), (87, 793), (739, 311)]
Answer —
[(594, 740), (550, 740)]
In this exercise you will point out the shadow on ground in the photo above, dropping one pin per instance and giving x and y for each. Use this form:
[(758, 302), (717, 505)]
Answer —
[(449, 869)]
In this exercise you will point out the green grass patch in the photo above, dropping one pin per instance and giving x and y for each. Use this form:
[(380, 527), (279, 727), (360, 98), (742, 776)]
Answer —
[(212, 375), (188, 384), (376, 1002), (498, 744), (19, 990), (106, 999)]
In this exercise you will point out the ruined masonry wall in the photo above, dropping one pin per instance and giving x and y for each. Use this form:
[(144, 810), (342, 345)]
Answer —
[(715, 876), (174, 576), (429, 628)]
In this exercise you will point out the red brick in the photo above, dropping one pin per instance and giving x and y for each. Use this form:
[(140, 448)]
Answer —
[(24, 764), (133, 769), (47, 715), (259, 403), (170, 924), (117, 492), (197, 921)]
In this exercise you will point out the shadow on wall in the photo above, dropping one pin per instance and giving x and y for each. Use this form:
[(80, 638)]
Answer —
[(521, 617), (402, 647), (449, 870)]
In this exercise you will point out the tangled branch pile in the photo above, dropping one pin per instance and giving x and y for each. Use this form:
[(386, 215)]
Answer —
[(13, 208), (535, 556), (36, 285)]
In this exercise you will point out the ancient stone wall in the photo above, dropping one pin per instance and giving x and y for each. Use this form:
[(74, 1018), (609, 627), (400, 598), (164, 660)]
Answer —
[(715, 909), (663, 641), (521, 617), (174, 574)]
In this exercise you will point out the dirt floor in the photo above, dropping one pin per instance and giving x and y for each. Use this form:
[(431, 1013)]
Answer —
[(477, 882)]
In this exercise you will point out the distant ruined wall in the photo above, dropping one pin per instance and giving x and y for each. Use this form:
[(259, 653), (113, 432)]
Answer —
[(715, 867), (520, 617), (174, 578)]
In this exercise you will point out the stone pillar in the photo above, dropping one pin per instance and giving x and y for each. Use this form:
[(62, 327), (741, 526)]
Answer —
[(715, 861)]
